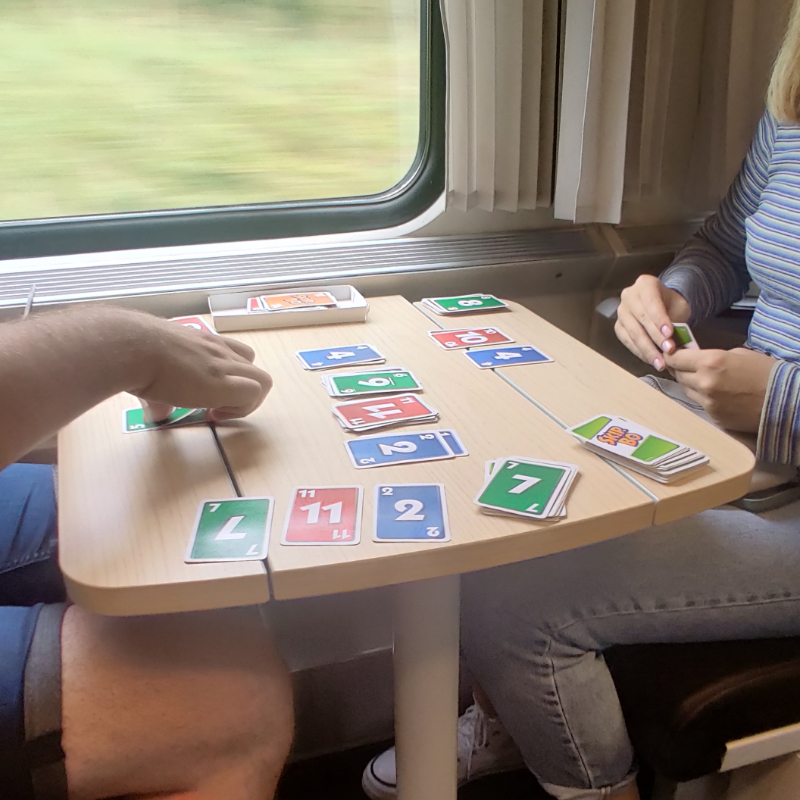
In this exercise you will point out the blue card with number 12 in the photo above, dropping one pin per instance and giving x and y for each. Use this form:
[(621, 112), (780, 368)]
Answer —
[(411, 512)]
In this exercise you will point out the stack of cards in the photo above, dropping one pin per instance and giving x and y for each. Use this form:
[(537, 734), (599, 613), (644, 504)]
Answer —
[(386, 380), (297, 301), (385, 450), (344, 356), (683, 337), (524, 487), (637, 448), (463, 304), (468, 337), (135, 419), (384, 412)]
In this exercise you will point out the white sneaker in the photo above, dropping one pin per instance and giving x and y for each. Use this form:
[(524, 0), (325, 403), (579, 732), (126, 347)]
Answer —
[(484, 748)]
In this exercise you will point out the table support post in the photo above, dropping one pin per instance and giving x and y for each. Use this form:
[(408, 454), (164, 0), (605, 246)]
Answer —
[(426, 635)]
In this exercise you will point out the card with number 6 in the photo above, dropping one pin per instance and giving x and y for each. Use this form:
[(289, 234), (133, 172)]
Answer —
[(411, 512), (324, 515)]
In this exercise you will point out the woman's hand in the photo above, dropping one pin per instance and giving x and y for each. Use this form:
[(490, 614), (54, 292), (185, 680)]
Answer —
[(645, 316), (729, 384)]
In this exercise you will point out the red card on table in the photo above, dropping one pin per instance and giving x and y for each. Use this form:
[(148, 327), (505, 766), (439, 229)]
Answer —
[(383, 411), (324, 515), (195, 323), (469, 337)]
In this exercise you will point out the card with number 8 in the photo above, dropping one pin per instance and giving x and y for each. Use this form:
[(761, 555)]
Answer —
[(411, 512), (329, 515)]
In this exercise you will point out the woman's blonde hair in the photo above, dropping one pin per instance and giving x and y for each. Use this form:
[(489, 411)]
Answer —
[(783, 98)]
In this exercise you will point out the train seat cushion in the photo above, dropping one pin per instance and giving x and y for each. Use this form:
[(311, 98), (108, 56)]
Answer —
[(683, 702)]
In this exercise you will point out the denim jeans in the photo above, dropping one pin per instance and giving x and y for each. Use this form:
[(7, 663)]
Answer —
[(534, 633)]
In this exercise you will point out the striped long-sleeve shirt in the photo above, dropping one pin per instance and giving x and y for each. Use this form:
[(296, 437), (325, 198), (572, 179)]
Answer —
[(756, 234)]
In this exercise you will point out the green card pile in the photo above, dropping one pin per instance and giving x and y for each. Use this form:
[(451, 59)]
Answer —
[(463, 304), (637, 448), (386, 380), (525, 487)]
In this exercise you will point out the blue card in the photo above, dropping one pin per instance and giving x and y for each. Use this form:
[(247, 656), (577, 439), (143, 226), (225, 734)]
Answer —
[(454, 443), (506, 356), (410, 512), (331, 357), (396, 448)]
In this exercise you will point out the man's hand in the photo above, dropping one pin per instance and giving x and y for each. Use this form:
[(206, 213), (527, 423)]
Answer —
[(183, 367), (645, 317), (729, 384)]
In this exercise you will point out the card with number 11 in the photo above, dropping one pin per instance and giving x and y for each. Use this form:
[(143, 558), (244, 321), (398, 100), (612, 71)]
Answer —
[(324, 515)]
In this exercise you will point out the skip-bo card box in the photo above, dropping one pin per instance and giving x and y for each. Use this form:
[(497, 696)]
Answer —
[(230, 310)]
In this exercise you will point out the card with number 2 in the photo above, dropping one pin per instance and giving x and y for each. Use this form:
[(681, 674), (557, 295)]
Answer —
[(411, 512), (324, 515)]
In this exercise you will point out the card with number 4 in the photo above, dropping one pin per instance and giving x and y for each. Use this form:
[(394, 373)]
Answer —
[(347, 355), (326, 515), (231, 530), (411, 512), (469, 337), (494, 357)]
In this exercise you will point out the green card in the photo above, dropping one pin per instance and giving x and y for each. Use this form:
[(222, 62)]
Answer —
[(590, 429), (231, 530), (133, 419), (469, 302), (374, 382), (522, 487)]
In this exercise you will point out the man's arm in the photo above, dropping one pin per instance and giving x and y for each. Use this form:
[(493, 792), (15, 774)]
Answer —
[(54, 367)]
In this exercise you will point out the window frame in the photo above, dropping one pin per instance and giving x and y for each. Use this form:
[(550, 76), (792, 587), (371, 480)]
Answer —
[(416, 192)]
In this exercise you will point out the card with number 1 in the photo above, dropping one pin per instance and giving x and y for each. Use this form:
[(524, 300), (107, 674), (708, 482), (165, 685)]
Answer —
[(324, 515)]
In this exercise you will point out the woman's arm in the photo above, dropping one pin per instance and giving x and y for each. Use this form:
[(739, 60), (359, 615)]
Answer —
[(710, 271)]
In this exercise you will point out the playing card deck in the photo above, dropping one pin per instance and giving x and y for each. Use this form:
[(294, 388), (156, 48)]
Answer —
[(633, 446), (386, 380), (469, 337), (524, 487), (414, 512), (381, 450), (344, 356), (683, 337), (383, 412), (463, 304), (136, 419), (297, 301), (494, 357)]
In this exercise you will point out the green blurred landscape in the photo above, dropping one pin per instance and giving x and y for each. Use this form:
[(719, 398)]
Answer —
[(130, 105)]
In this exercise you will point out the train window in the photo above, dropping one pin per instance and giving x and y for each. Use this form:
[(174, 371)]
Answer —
[(130, 123)]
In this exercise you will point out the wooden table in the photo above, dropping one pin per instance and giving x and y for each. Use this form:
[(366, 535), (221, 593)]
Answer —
[(127, 502)]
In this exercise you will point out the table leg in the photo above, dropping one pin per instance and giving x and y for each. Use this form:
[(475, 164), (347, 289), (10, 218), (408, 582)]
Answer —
[(426, 634)]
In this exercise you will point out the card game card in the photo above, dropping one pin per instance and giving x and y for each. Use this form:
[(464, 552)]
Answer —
[(286, 302), (195, 323), (469, 337), (464, 303), (399, 448), (231, 530), (626, 439), (494, 357), (137, 419), (327, 515), (330, 357), (526, 487), (452, 440), (413, 512), (365, 414), (255, 305), (379, 381), (683, 337)]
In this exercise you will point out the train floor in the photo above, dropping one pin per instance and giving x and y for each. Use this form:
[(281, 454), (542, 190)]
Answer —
[(338, 777)]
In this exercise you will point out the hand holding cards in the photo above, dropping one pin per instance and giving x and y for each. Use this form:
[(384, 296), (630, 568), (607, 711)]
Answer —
[(637, 448)]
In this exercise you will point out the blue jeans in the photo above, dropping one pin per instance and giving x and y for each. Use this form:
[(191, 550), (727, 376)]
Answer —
[(29, 578), (534, 633)]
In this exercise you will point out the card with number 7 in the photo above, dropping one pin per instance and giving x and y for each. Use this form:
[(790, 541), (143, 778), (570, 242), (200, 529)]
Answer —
[(324, 515)]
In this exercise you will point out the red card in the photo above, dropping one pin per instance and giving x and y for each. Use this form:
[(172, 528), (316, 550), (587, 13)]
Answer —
[(326, 515), (195, 323), (255, 304), (282, 302), (469, 337), (382, 411)]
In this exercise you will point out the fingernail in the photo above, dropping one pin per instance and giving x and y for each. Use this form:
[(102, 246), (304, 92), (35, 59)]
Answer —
[(658, 364), (666, 345), (666, 330)]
